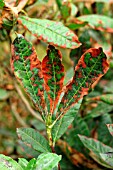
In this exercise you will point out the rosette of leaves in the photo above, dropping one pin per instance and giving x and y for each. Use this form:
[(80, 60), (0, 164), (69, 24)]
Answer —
[(43, 82)]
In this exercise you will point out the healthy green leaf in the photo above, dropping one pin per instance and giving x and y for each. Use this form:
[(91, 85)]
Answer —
[(110, 128), (53, 73), (90, 68), (47, 161), (50, 31), (102, 130), (23, 162), (2, 3), (99, 22), (61, 125), (7, 163), (34, 138), (27, 69), (108, 158), (81, 126), (31, 165), (97, 148)]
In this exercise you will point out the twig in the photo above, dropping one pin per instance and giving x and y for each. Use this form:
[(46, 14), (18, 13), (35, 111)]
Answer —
[(36, 115), (21, 5), (17, 116)]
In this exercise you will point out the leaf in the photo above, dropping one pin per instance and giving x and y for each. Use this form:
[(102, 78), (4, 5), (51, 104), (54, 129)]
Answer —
[(61, 125), (53, 73), (99, 110), (90, 68), (31, 165), (27, 69), (99, 22), (7, 163), (26, 150), (108, 158), (107, 98), (23, 162), (102, 130), (47, 161), (96, 147), (110, 128), (35, 139), (3, 94), (2, 3), (50, 31), (80, 126)]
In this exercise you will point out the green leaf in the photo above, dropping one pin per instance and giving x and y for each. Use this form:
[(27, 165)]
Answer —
[(99, 22), (61, 125), (110, 128), (108, 158), (53, 73), (34, 138), (107, 98), (2, 3), (7, 163), (50, 31), (31, 165), (47, 161), (27, 150), (90, 68), (23, 162), (81, 126), (102, 130), (27, 69), (97, 148), (99, 110), (3, 94)]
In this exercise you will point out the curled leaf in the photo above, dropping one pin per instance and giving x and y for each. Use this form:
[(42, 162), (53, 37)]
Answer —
[(53, 73)]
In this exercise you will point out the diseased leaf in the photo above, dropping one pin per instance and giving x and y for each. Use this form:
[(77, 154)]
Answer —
[(99, 22), (96, 148), (61, 125), (26, 150), (34, 138), (50, 31), (90, 68), (27, 69), (47, 161), (108, 158), (7, 163), (53, 73), (107, 98), (110, 128)]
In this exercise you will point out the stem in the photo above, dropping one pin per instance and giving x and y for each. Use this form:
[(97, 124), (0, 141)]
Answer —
[(49, 134)]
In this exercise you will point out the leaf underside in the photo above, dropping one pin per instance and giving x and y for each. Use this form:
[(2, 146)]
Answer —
[(53, 74), (90, 68), (55, 33)]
